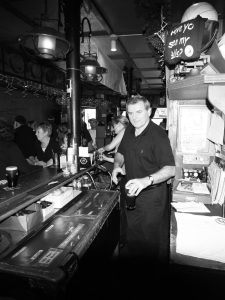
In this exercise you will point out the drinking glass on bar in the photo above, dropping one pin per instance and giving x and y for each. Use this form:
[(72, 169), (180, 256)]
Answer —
[(12, 176)]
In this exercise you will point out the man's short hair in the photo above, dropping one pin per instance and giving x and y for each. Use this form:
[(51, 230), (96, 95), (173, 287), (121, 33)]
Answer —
[(138, 98), (21, 120)]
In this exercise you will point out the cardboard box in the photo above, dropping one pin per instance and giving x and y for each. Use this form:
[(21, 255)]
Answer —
[(25, 219)]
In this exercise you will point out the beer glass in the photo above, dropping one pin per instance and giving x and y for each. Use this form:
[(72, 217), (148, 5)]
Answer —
[(130, 199), (12, 176)]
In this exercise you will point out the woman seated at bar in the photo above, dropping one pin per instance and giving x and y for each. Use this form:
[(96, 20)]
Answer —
[(10, 153), (46, 146)]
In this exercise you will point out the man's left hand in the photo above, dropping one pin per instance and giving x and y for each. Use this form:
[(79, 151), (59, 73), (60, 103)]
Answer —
[(137, 185)]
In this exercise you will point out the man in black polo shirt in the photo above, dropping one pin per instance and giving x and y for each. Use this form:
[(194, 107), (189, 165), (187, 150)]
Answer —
[(149, 162)]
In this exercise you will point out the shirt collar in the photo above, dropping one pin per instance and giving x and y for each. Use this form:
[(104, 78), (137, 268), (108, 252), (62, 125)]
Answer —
[(144, 131)]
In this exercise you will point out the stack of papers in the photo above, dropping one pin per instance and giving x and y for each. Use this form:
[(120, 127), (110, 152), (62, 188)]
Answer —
[(190, 207), (193, 187)]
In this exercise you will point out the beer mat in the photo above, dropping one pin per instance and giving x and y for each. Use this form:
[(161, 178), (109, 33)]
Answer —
[(3, 182)]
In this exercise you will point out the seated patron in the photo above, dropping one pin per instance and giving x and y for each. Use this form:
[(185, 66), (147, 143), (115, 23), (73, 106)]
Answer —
[(24, 137), (46, 146), (10, 153)]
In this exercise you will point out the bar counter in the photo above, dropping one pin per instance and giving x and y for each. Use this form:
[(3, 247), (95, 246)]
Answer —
[(49, 254)]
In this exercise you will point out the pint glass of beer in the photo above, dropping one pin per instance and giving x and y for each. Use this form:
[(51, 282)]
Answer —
[(12, 176)]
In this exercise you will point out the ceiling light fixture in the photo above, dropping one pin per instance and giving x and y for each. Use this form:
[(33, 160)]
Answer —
[(114, 38), (44, 41), (89, 66)]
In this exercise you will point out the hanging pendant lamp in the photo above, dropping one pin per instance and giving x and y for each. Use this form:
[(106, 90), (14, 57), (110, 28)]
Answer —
[(45, 42), (89, 65)]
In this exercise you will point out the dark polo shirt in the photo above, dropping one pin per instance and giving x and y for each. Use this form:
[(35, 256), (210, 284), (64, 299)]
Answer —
[(146, 153)]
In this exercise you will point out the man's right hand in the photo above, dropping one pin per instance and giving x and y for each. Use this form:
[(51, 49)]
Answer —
[(115, 173)]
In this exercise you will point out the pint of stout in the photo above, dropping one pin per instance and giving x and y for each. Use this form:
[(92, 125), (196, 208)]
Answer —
[(130, 199), (12, 175)]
